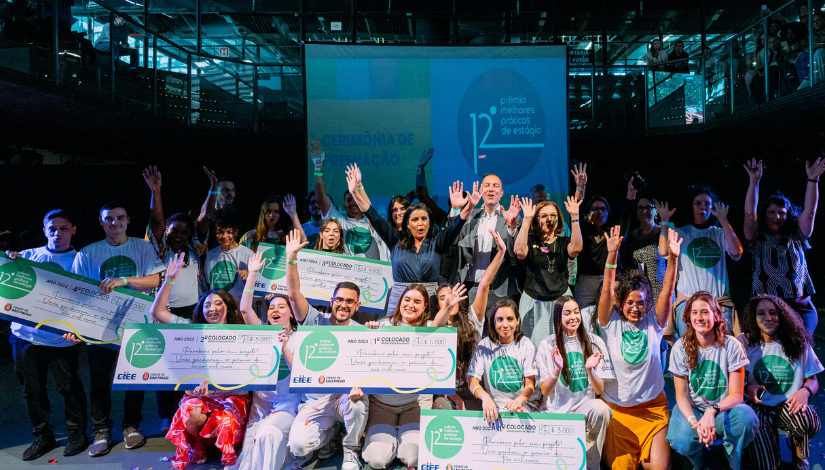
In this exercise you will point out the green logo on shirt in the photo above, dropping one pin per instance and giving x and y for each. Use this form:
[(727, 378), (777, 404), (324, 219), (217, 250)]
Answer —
[(704, 252), (274, 263), (358, 240), (145, 348), (16, 280), (578, 375), (318, 351), (223, 275), (506, 375), (774, 373), (444, 437), (118, 266), (707, 381), (283, 368), (634, 346)]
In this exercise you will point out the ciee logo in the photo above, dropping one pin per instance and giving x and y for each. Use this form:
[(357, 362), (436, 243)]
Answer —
[(126, 376), (302, 380), (429, 466)]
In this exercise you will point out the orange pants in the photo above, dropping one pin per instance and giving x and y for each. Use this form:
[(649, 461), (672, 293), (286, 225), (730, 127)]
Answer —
[(631, 431)]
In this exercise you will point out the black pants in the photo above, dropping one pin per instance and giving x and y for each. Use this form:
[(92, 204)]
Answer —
[(31, 364), (102, 365)]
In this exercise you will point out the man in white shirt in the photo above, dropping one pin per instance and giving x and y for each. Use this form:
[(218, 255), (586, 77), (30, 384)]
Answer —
[(117, 261), (36, 351)]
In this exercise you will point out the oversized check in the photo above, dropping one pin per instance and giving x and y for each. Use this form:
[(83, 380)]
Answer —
[(172, 357), (463, 440), (320, 272), (45, 296), (390, 359)]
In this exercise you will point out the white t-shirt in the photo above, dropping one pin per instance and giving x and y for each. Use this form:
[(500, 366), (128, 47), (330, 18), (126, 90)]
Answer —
[(135, 258), (34, 335), (186, 291), (359, 239), (316, 318), (634, 351), (221, 267), (396, 399), (567, 397), (709, 379), (267, 402), (703, 264), (503, 367), (771, 368)]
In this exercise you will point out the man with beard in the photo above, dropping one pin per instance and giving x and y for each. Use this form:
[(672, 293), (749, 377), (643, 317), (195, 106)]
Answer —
[(316, 423)]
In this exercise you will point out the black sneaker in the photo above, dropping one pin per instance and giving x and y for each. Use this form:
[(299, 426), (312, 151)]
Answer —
[(100, 445), (133, 438), (40, 447), (76, 443)]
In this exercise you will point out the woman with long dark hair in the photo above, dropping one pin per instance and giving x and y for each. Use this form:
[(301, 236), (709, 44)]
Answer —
[(330, 238), (708, 367), (573, 366), (396, 210), (778, 234), (204, 417), (781, 379), (593, 253)]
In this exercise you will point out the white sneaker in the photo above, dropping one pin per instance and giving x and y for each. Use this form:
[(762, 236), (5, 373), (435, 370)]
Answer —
[(351, 460)]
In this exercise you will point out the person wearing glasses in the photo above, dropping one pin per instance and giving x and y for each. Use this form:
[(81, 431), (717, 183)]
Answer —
[(316, 422), (594, 251), (645, 248), (708, 237)]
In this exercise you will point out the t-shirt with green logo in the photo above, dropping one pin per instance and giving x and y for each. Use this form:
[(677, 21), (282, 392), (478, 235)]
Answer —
[(267, 402), (771, 368), (503, 368), (710, 378), (702, 265), (135, 258), (359, 239), (221, 269), (634, 352), (566, 398)]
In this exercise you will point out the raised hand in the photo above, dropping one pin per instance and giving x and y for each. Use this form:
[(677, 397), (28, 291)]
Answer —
[(614, 239), (720, 210), (674, 243), (284, 335), (474, 196), (457, 197), (289, 205), (152, 177), (175, 266), (815, 171), (256, 263), (665, 213), (528, 207), (317, 156), (454, 295), (755, 168), (499, 242), (593, 360), (202, 389), (353, 178), (572, 206), (557, 359), (426, 156), (511, 214), (579, 173), (213, 180), (294, 243)]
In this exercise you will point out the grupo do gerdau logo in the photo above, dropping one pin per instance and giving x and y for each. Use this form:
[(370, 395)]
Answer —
[(501, 125)]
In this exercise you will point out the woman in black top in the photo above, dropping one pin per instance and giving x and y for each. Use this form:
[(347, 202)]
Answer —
[(590, 269)]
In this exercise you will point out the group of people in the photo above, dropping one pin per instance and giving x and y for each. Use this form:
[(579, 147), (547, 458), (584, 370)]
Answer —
[(551, 315)]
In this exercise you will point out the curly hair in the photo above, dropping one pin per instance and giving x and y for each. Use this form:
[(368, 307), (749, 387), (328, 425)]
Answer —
[(491, 326), (407, 241), (791, 332), (558, 226), (467, 338), (627, 283), (339, 247), (395, 319), (778, 199), (233, 313), (720, 326), (684, 214), (581, 332)]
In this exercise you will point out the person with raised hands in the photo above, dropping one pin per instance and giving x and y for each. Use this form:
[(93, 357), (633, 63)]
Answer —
[(573, 365), (272, 226), (632, 327), (506, 361), (393, 423), (708, 367), (359, 237), (546, 253), (468, 320), (315, 425), (777, 234), (416, 252), (204, 417)]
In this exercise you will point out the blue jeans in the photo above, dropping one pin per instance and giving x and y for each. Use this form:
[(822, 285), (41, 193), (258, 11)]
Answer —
[(727, 315), (737, 427)]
